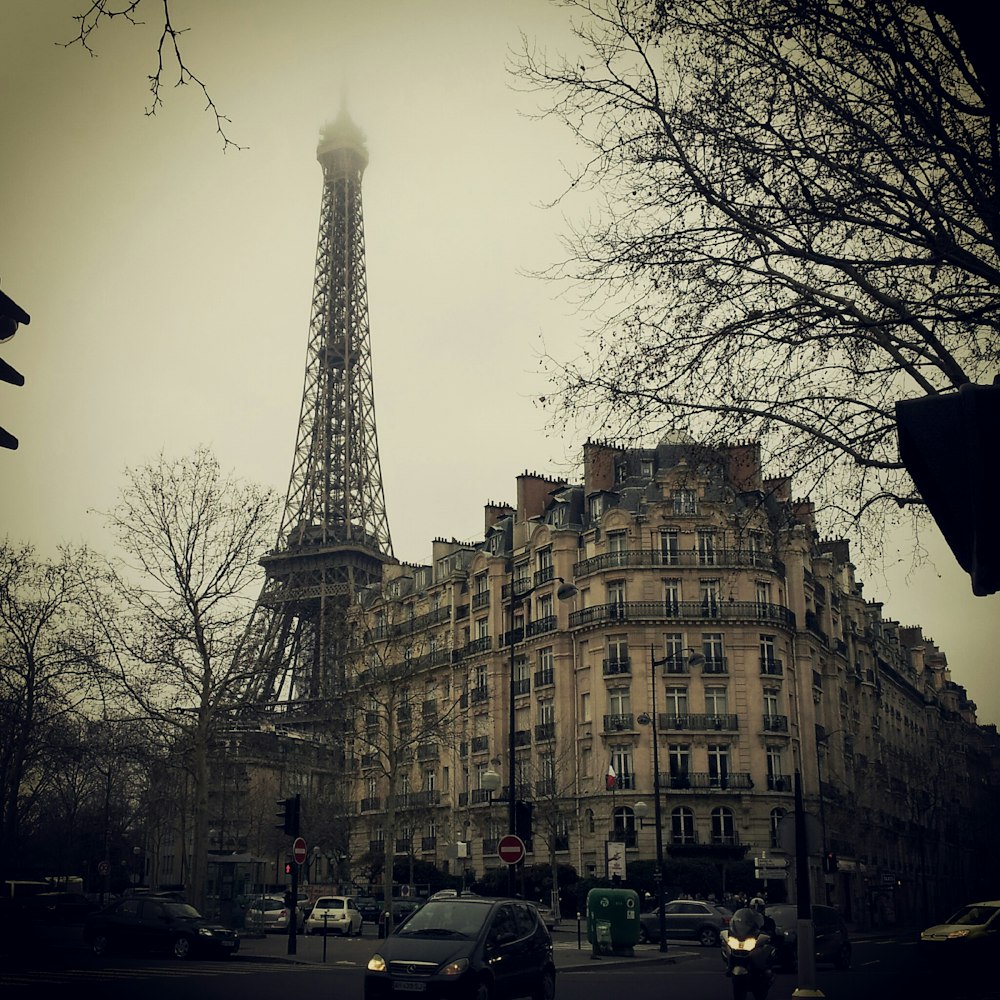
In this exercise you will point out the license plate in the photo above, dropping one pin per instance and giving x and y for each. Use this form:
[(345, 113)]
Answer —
[(409, 987), (228, 944)]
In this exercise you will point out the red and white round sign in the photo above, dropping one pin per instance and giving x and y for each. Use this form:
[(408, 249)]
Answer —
[(299, 850), (510, 850)]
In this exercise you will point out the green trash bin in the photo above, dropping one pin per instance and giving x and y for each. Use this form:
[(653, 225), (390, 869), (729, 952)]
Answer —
[(613, 920)]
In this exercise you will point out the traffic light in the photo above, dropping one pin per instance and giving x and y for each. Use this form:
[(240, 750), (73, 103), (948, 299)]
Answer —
[(11, 316), (288, 868), (948, 445), (830, 863), (288, 813)]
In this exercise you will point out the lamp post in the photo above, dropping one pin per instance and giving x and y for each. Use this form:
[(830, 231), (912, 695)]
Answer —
[(565, 592)]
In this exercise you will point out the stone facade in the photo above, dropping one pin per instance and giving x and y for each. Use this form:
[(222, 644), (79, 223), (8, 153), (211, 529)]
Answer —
[(707, 610)]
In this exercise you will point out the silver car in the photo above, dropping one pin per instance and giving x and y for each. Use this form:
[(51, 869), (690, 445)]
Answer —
[(334, 915)]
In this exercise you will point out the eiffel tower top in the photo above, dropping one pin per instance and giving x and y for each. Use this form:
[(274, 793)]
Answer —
[(341, 136)]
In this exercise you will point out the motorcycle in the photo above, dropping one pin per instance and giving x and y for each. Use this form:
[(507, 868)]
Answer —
[(748, 952)]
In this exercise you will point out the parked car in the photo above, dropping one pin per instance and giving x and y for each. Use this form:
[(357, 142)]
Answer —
[(970, 932), (268, 913), (690, 919), (334, 915), (401, 909), (832, 943), (369, 907), (463, 948), (150, 924), (546, 914), (60, 907)]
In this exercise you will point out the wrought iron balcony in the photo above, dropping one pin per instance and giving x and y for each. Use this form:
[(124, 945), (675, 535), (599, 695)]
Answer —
[(617, 666), (427, 751), (428, 843), (490, 845), (776, 723), (618, 723), (522, 685), (642, 611), (480, 795), (545, 786), (376, 846), (545, 731), (479, 694), (656, 558), (481, 645), (544, 677), (715, 665), (544, 574), (371, 804), (699, 722), (480, 743), (541, 625), (522, 738), (480, 600), (425, 797), (704, 781), (771, 667), (779, 783)]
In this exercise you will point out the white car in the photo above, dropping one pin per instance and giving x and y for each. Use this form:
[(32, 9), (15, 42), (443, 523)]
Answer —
[(336, 915)]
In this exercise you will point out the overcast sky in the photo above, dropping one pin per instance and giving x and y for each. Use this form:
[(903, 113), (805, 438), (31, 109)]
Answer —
[(169, 284)]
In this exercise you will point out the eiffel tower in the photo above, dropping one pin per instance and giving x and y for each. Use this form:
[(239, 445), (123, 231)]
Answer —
[(334, 535)]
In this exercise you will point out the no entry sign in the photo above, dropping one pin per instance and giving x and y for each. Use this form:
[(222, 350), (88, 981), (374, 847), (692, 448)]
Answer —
[(299, 850), (510, 850)]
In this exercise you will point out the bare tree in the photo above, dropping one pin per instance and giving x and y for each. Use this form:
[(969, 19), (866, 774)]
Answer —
[(168, 51), (45, 675), (183, 593), (797, 227)]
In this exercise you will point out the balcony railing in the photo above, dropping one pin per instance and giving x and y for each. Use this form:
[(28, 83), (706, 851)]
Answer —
[(545, 786), (522, 738), (490, 846), (544, 677), (771, 667), (371, 804), (427, 751), (544, 574), (776, 723), (638, 611), (676, 665), (376, 846), (779, 783), (542, 625), (522, 685), (617, 723), (480, 600), (480, 795), (479, 694), (428, 843), (715, 665), (645, 558), (629, 838), (481, 645), (617, 666), (545, 731), (425, 797), (480, 743), (701, 722), (701, 781)]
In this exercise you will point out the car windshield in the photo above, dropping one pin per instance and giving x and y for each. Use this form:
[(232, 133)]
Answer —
[(975, 914), (185, 910), (329, 904), (446, 918)]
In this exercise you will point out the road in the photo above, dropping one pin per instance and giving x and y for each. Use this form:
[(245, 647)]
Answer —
[(881, 968)]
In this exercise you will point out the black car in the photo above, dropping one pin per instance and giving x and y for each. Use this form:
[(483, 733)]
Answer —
[(832, 943), (151, 924), (369, 907), (60, 907), (465, 948)]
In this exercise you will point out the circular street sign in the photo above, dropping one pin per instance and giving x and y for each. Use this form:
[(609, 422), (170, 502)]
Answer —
[(104, 868), (510, 850), (299, 850)]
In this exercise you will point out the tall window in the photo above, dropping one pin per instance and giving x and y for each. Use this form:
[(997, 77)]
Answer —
[(669, 546), (723, 826), (545, 606), (618, 650), (617, 541), (430, 779), (546, 712), (718, 765), (615, 590), (775, 774), (677, 701), (716, 702), (619, 701), (777, 815), (621, 759), (545, 558), (482, 628), (710, 597), (772, 702), (585, 706), (767, 653), (755, 548), (714, 652), (672, 596), (682, 825), (673, 650), (522, 675), (479, 676), (547, 772), (371, 787), (679, 755), (706, 547), (762, 595), (546, 661), (480, 584)]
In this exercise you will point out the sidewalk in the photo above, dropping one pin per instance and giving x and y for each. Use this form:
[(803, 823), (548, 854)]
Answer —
[(354, 951)]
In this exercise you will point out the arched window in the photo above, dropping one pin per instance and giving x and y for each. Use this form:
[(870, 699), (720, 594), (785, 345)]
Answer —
[(682, 826), (777, 815), (588, 819), (624, 825), (723, 826)]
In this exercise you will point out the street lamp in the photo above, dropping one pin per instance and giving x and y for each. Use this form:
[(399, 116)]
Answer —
[(565, 592)]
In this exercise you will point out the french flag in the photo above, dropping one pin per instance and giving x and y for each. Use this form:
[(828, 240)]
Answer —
[(612, 778)]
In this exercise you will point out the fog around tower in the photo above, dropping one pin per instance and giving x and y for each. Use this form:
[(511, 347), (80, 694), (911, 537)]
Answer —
[(169, 283)]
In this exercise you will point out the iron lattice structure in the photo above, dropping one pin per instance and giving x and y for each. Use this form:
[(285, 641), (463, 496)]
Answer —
[(334, 534)]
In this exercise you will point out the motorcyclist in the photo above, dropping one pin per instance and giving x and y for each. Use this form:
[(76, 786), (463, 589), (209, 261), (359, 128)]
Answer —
[(766, 923)]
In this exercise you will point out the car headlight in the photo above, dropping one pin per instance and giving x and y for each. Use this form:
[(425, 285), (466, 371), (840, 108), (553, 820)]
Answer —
[(747, 944), (205, 932), (963, 932), (376, 963), (455, 968)]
